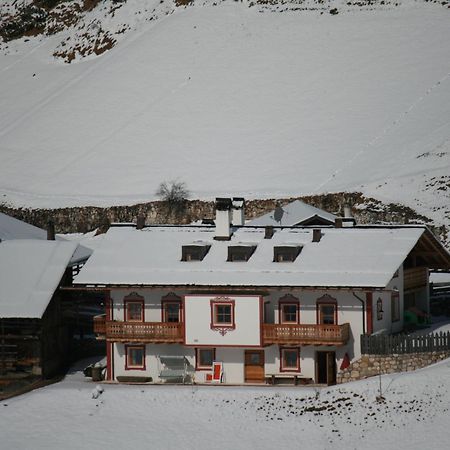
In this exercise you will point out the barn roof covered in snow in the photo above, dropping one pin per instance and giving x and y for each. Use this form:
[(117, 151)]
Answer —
[(12, 228), (30, 272)]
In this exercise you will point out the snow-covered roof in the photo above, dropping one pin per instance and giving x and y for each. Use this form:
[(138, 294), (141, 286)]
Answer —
[(12, 228), (30, 271), (344, 257), (295, 213)]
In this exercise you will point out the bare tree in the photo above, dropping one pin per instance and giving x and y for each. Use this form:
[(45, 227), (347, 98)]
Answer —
[(174, 194)]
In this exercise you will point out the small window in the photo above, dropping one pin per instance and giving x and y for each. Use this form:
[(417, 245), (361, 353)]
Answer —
[(286, 253), (222, 314), (135, 357), (289, 360), (327, 310), (240, 252), (171, 312), (395, 306), (204, 358), (134, 308), (171, 308), (194, 252), (289, 312)]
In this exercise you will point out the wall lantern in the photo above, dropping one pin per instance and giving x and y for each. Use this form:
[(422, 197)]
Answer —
[(380, 309)]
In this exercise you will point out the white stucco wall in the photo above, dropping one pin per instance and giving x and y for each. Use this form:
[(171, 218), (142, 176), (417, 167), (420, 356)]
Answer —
[(198, 321), (231, 346)]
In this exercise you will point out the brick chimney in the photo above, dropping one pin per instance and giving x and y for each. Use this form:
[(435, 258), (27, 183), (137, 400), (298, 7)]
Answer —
[(317, 235), (50, 230), (140, 222)]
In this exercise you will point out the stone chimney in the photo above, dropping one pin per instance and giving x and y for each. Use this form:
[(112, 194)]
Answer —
[(50, 230), (238, 211), (223, 219)]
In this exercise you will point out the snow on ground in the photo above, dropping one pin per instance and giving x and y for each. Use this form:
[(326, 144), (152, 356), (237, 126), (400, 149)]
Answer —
[(233, 100), (415, 415)]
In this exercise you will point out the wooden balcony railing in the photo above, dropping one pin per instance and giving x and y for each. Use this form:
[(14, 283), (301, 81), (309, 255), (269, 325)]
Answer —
[(145, 332), (306, 334)]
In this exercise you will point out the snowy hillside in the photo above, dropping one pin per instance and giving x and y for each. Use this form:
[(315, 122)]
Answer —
[(415, 416), (254, 100)]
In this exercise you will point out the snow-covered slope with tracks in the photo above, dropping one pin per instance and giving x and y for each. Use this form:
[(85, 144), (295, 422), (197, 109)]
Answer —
[(259, 101)]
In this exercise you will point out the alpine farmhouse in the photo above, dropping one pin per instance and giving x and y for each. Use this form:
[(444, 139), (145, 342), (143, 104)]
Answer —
[(258, 302)]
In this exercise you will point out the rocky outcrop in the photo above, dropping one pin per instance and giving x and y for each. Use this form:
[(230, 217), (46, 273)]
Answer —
[(84, 218)]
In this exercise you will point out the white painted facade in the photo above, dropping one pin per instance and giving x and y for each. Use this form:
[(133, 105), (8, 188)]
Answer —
[(251, 312), (247, 317)]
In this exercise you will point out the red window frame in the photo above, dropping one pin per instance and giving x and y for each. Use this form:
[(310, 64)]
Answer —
[(282, 303), (171, 298), (198, 365), (129, 348), (133, 299), (284, 368), (222, 325), (326, 300)]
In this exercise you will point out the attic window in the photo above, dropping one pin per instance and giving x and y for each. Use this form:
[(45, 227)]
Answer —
[(240, 252), (194, 252), (286, 253)]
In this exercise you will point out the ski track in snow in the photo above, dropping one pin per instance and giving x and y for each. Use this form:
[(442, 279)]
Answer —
[(402, 116), (237, 124)]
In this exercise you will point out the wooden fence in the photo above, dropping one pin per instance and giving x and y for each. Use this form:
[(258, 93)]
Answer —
[(402, 343)]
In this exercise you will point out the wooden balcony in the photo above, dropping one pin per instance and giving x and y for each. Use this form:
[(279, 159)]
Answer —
[(143, 332), (306, 334)]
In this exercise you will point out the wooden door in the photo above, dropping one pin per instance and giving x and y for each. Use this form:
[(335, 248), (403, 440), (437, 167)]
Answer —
[(326, 368), (254, 366), (331, 368)]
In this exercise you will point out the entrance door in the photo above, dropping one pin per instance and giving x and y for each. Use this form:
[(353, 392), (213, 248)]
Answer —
[(326, 368), (254, 366)]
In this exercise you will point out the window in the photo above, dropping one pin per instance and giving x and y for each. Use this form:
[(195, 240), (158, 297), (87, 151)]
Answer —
[(134, 308), (222, 314), (380, 309), (395, 306), (286, 253), (135, 357), (289, 310), (289, 360), (171, 311), (171, 308), (326, 310), (240, 252), (194, 252), (204, 358)]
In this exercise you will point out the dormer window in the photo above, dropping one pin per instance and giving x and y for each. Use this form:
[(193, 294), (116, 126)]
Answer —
[(286, 253), (194, 252), (240, 252)]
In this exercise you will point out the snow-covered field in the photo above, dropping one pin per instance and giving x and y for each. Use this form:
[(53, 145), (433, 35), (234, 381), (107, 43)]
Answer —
[(415, 415), (253, 101)]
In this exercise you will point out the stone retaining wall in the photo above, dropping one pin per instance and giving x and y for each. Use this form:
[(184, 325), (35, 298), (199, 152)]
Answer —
[(370, 365), (84, 218)]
